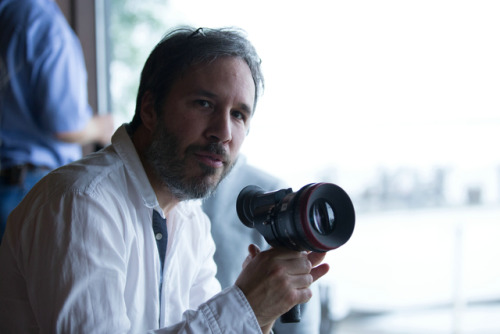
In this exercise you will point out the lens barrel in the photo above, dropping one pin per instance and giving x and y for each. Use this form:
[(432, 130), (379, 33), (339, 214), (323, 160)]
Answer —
[(319, 217)]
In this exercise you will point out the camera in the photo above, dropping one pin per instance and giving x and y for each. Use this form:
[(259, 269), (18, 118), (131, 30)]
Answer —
[(319, 217)]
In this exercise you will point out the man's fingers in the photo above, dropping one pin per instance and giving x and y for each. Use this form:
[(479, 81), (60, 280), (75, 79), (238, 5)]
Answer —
[(316, 258), (282, 253), (278, 278), (319, 271)]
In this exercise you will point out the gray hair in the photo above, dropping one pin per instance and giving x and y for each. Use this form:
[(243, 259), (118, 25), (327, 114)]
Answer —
[(185, 46)]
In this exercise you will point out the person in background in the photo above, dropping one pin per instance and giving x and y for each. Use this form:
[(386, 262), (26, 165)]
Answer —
[(45, 117), (117, 242), (229, 234)]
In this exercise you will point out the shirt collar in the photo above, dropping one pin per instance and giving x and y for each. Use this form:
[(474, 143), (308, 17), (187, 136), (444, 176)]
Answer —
[(124, 147)]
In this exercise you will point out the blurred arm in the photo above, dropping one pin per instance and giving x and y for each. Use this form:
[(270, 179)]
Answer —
[(98, 129)]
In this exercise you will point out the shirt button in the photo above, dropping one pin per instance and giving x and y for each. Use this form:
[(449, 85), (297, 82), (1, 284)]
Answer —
[(159, 236)]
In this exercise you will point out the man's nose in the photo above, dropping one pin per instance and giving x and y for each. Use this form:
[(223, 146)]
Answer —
[(219, 129)]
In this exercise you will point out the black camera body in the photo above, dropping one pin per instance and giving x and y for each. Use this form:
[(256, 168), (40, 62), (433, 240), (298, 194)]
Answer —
[(319, 217)]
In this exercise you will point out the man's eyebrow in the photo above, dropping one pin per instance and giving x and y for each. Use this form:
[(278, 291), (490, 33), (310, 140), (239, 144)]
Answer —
[(246, 109), (204, 92)]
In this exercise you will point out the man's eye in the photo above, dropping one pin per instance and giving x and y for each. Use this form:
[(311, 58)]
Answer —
[(239, 115), (204, 103)]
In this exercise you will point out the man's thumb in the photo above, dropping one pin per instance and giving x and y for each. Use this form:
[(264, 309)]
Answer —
[(253, 251)]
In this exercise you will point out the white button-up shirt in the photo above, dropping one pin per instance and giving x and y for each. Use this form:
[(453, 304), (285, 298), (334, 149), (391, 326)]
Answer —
[(79, 256)]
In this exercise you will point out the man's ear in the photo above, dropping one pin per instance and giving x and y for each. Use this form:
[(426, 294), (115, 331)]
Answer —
[(148, 113)]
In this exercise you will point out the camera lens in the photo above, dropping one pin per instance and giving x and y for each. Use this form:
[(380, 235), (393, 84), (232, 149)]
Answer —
[(319, 217), (322, 217)]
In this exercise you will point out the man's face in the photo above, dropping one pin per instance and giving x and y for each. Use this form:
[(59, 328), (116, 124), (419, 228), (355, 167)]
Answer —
[(203, 123)]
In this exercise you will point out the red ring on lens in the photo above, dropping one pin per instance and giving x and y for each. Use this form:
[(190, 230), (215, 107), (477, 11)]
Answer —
[(305, 199)]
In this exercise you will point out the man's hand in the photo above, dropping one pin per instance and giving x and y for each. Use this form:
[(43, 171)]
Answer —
[(275, 280)]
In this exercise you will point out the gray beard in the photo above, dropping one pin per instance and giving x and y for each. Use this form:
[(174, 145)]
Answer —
[(164, 157)]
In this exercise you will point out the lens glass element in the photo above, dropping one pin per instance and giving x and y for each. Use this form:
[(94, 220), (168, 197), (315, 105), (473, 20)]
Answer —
[(322, 217)]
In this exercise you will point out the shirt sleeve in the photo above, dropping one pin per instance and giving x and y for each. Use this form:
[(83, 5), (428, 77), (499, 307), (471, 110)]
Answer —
[(59, 76), (226, 312), (74, 264)]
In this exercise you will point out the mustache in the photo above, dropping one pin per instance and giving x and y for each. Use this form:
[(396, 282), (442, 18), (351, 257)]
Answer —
[(214, 148)]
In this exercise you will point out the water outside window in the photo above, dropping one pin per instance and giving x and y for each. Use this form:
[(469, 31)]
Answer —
[(398, 102)]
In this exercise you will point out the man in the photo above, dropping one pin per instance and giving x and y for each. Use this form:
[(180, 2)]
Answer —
[(113, 244), (229, 234), (44, 112)]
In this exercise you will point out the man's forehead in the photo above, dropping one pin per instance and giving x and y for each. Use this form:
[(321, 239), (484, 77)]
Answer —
[(220, 68)]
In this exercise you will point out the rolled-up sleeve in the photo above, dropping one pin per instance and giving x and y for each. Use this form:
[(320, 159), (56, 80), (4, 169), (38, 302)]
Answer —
[(226, 312)]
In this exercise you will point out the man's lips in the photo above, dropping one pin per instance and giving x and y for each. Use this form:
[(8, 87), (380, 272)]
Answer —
[(210, 159)]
